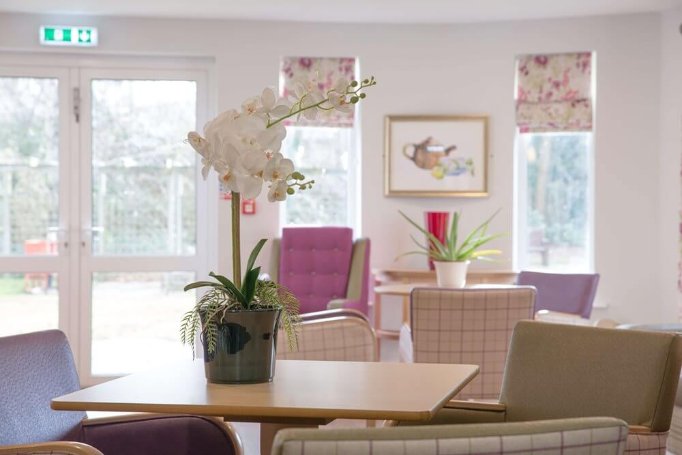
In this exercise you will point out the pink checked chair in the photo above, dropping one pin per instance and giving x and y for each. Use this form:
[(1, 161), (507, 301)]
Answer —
[(471, 326), (341, 334), (572, 294), (589, 435), (557, 371), (37, 367), (323, 267)]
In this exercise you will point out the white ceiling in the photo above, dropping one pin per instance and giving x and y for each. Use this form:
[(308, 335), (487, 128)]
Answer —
[(381, 11)]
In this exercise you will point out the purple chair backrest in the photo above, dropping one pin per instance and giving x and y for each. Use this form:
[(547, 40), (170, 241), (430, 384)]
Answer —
[(34, 369), (314, 264), (568, 293)]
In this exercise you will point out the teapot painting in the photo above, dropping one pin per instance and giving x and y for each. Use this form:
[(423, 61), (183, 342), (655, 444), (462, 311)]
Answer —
[(427, 153)]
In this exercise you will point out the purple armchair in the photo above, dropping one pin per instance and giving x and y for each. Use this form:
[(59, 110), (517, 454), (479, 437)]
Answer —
[(37, 367), (323, 267), (562, 292)]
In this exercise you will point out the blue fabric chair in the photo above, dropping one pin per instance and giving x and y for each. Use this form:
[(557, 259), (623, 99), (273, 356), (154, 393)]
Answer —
[(37, 367)]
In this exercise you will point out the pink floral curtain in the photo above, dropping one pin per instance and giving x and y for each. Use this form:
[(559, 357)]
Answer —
[(322, 72), (554, 92)]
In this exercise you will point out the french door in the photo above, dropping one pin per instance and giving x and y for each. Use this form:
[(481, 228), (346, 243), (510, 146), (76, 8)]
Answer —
[(102, 221)]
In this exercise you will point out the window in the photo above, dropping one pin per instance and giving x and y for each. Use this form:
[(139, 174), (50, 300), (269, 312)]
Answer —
[(322, 149), (322, 154), (554, 149)]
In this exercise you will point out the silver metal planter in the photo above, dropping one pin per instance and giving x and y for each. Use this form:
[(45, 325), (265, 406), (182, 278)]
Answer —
[(245, 348)]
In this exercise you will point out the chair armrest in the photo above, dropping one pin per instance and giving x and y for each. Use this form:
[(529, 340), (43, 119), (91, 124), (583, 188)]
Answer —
[(550, 314), (169, 434), (489, 406), (337, 304), (51, 448), (460, 411), (332, 313), (573, 319), (639, 429)]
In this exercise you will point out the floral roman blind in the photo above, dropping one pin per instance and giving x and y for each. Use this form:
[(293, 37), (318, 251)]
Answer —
[(320, 73), (554, 92)]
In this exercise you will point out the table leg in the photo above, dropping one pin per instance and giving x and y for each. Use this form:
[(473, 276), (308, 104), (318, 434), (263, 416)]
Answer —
[(377, 322), (268, 432)]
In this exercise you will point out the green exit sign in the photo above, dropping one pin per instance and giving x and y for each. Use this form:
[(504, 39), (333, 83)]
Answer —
[(55, 35)]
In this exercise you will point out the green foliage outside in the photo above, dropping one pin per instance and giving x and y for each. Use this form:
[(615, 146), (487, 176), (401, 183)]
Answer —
[(11, 284), (557, 186), (143, 184)]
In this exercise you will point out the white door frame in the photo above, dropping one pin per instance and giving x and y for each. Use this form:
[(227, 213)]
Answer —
[(74, 259)]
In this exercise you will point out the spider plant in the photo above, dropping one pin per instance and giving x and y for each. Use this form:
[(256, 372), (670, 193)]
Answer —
[(450, 250)]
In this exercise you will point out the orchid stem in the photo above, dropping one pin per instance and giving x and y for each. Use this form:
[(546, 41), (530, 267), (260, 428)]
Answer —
[(236, 248), (297, 108)]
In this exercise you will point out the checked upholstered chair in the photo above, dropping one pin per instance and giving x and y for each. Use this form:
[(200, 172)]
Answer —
[(557, 371), (471, 326), (37, 367), (323, 267), (332, 335), (590, 435)]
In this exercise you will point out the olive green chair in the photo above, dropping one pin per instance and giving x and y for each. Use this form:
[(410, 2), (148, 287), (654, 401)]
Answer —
[(556, 371)]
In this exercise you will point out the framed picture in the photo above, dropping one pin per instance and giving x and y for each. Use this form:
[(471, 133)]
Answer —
[(436, 156)]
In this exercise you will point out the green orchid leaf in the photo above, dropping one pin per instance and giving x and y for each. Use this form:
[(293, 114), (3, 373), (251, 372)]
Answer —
[(249, 285), (222, 279), (254, 254), (201, 284)]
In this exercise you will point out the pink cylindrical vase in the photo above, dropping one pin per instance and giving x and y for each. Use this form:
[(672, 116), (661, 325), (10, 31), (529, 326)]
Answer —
[(436, 224)]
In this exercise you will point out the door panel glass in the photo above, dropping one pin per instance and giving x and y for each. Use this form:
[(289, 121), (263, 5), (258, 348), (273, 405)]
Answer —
[(29, 169), (136, 320), (28, 302), (143, 173)]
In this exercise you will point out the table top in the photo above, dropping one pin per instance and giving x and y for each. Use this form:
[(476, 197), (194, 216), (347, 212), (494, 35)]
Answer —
[(426, 276), (405, 289), (302, 391)]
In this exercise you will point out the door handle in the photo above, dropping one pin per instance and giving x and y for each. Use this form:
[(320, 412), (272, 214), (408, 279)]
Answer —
[(89, 231)]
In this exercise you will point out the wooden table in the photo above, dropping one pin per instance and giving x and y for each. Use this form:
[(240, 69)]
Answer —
[(303, 393), (386, 276)]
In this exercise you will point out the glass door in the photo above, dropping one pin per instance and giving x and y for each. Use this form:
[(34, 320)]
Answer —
[(34, 245), (102, 222), (140, 242)]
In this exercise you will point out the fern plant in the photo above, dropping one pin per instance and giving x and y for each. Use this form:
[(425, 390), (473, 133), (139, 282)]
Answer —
[(225, 297), (450, 250)]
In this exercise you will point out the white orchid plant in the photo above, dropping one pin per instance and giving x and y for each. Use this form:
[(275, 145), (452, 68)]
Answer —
[(243, 148)]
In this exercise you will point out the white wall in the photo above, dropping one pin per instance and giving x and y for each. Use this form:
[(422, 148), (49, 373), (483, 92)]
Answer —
[(455, 69), (669, 169)]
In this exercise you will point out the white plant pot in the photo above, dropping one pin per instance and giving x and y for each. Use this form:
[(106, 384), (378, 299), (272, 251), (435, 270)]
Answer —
[(451, 274)]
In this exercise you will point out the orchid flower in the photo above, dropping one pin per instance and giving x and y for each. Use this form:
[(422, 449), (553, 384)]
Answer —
[(243, 146), (278, 168), (278, 191), (337, 97)]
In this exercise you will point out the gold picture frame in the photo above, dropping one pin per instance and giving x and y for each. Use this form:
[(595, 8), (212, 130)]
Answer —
[(436, 155)]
